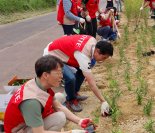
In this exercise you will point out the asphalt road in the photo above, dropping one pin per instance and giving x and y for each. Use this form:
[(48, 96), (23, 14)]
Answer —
[(22, 43)]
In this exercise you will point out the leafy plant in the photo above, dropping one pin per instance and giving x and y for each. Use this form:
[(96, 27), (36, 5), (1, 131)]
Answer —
[(96, 115), (116, 131), (149, 126), (148, 107), (139, 96)]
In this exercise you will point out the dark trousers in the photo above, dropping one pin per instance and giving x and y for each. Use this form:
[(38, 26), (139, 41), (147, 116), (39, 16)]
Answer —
[(73, 81), (92, 27), (110, 4), (107, 33), (68, 29)]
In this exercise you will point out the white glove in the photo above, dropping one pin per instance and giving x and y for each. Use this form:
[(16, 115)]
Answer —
[(105, 108), (78, 131), (82, 20), (141, 8), (88, 18), (60, 97)]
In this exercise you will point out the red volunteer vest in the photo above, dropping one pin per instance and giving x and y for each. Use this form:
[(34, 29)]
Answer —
[(68, 45), (92, 7), (61, 13), (13, 116), (104, 23)]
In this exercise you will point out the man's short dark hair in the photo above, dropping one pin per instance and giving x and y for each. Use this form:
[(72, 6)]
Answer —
[(105, 48), (47, 64)]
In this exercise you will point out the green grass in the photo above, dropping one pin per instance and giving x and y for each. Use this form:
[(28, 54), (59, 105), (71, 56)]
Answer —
[(23, 15), (14, 6)]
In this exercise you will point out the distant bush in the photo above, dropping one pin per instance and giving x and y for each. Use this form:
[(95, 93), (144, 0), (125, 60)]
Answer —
[(11, 6)]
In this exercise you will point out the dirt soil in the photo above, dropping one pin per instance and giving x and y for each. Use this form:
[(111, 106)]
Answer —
[(131, 118)]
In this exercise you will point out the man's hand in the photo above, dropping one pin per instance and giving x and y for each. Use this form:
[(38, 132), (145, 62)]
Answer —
[(88, 18), (103, 16), (78, 131), (84, 122), (82, 20), (141, 8), (105, 109)]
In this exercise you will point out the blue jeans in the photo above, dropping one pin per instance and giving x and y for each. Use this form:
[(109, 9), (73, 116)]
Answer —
[(73, 81), (107, 33)]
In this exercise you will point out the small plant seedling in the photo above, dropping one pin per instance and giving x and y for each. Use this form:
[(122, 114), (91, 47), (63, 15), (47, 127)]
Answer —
[(149, 126), (148, 107)]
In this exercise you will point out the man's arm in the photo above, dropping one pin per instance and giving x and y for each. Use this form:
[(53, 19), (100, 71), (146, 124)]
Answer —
[(92, 83), (69, 115), (67, 9), (84, 63)]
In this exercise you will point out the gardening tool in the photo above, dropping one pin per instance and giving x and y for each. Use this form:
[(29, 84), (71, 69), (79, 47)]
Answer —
[(91, 127), (138, 20)]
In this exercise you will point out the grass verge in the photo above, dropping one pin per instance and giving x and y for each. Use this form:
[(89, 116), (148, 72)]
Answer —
[(4, 19)]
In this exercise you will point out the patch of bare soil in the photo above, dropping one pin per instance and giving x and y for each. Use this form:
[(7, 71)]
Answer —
[(131, 118)]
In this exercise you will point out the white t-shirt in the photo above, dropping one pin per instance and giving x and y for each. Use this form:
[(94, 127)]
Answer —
[(83, 61)]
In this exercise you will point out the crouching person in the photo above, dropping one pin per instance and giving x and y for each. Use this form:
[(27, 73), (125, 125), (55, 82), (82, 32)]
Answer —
[(108, 29), (33, 108)]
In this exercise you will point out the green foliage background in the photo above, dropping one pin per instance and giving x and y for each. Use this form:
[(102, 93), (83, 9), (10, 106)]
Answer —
[(12, 6)]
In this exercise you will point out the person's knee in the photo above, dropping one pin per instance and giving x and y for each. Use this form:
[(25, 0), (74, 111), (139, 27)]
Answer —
[(61, 119), (60, 97), (108, 28), (99, 31), (55, 121)]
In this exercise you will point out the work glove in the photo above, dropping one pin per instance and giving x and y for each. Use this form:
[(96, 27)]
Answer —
[(82, 20), (88, 18), (78, 131), (84, 122), (105, 109), (141, 8)]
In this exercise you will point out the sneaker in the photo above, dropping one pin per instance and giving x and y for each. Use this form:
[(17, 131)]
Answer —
[(81, 97), (103, 39), (74, 105)]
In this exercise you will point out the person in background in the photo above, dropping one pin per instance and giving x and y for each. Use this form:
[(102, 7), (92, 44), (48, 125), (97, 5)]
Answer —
[(78, 52), (34, 109), (108, 28), (92, 7), (151, 4), (67, 15), (119, 5)]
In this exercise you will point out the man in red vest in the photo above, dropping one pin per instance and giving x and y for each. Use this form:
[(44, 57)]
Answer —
[(108, 28), (67, 15), (92, 6), (33, 107), (78, 53)]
